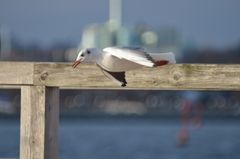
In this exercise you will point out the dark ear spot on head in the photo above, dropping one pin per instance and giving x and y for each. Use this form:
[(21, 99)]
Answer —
[(88, 52)]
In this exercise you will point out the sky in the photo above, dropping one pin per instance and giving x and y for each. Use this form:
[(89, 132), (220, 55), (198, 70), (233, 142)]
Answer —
[(213, 23)]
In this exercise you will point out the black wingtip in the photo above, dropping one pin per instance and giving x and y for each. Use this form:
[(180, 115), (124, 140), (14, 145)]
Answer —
[(124, 84)]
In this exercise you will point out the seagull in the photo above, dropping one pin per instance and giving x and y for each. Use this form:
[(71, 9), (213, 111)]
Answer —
[(115, 61)]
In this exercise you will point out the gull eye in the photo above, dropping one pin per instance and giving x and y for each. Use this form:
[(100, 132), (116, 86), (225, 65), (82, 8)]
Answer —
[(82, 55)]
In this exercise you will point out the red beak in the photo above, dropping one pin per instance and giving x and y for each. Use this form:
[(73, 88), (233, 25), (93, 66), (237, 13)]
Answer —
[(76, 63)]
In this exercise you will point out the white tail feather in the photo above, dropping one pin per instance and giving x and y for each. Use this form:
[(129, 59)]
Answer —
[(169, 56)]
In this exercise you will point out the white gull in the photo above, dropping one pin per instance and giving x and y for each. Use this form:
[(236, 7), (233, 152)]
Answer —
[(114, 61)]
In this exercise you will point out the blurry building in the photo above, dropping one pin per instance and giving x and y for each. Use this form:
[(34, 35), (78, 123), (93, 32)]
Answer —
[(5, 42), (113, 33), (101, 35), (161, 40)]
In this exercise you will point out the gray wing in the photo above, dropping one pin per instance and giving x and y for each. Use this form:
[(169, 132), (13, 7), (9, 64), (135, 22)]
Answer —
[(136, 55), (132, 48)]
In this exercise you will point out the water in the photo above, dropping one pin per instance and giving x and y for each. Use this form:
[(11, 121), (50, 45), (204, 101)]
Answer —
[(133, 139)]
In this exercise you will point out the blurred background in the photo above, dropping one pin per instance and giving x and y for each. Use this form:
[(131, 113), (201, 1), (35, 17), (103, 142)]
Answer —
[(128, 124)]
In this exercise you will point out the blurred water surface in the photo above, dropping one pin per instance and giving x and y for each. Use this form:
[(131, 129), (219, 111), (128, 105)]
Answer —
[(134, 139)]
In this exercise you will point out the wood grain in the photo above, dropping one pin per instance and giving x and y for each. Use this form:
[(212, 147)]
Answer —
[(169, 77), (13, 73), (51, 122), (39, 122), (40, 84)]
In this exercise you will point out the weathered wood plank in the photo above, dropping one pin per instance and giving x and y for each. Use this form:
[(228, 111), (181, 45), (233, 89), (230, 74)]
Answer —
[(13, 73), (39, 122), (191, 77), (169, 77), (10, 87), (32, 127), (62, 74), (51, 122)]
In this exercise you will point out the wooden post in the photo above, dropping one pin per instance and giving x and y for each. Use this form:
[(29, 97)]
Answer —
[(39, 84), (39, 122)]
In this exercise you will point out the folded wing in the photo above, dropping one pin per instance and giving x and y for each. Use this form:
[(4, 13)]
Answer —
[(134, 55)]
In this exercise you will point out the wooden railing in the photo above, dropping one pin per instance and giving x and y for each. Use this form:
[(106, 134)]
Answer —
[(40, 83)]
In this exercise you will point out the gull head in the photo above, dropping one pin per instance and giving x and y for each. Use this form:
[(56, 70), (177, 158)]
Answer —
[(82, 55)]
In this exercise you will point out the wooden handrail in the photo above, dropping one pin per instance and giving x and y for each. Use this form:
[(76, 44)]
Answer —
[(169, 77), (40, 83)]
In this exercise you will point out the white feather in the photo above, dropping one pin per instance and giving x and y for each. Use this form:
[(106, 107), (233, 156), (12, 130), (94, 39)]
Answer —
[(136, 56)]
